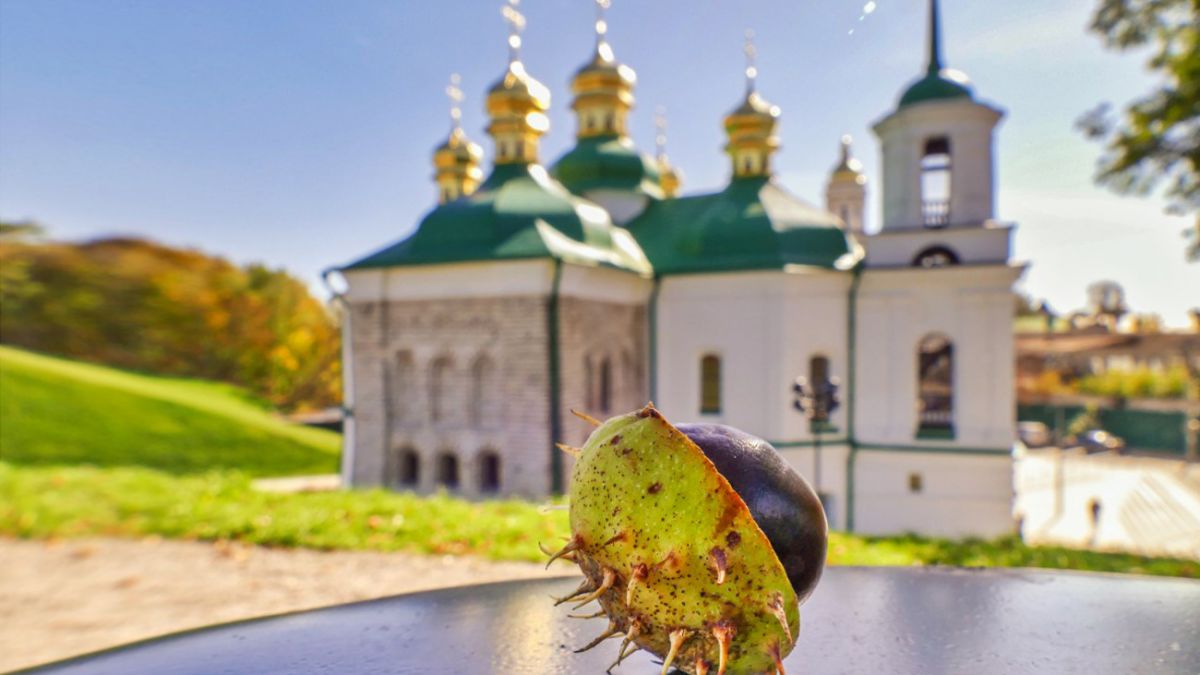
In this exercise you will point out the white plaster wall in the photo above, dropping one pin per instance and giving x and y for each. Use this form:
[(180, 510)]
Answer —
[(851, 196), (622, 206), (765, 326), (973, 306), (898, 248), (902, 134), (961, 494), (452, 280), (832, 476)]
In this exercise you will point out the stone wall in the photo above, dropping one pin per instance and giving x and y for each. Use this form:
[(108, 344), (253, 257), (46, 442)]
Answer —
[(461, 378), (594, 333), (452, 378)]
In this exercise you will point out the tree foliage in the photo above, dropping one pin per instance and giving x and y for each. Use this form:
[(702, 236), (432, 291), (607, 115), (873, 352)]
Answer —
[(1157, 138), (136, 304)]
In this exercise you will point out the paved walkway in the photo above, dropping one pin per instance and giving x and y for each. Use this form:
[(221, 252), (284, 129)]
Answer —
[(59, 599)]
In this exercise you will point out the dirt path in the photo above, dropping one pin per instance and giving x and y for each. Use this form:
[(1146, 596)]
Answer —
[(60, 599)]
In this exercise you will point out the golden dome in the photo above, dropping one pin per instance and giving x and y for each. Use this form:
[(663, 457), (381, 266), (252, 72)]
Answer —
[(848, 168), (516, 88), (603, 90), (517, 106), (751, 126)]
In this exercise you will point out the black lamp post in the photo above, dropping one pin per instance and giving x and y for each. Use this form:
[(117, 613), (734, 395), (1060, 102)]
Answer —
[(817, 402)]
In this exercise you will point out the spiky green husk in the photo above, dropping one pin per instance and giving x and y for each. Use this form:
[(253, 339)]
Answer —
[(672, 553)]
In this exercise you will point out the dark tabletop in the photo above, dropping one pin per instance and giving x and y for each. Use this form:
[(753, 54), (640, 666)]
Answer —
[(859, 620)]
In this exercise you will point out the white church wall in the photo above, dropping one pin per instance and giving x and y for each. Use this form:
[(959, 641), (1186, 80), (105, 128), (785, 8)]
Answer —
[(829, 480), (899, 248), (935, 494), (765, 326), (453, 280), (972, 306), (622, 205)]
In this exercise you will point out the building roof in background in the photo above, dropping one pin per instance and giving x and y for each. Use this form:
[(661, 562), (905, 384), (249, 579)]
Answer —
[(519, 212)]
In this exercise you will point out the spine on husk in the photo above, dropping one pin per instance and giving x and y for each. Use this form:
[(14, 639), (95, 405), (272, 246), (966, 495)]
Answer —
[(672, 554)]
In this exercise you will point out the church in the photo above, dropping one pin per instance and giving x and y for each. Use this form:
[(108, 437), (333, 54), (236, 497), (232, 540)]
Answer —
[(593, 283)]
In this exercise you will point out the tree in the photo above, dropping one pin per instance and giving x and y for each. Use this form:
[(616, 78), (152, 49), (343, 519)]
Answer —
[(1157, 139), (137, 304)]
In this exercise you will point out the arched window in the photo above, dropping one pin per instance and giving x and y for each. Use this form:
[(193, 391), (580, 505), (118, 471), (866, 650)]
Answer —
[(439, 383), (935, 256), (481, 408), (489, 472), (604, 390), (818, 370), (818, 375), (935, 182), (403, 469), (935, 386), (629, 388), (447, 470), (589, 383), (402, 392), (710, 384)]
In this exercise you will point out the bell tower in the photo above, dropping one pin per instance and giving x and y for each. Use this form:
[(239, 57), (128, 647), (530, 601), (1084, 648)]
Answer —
[(846, 191), (938, 165)]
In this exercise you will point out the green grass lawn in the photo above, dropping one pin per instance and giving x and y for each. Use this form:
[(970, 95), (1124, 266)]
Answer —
[(56, 411), (92, 451)]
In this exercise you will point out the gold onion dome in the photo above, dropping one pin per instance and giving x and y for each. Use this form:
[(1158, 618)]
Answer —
[(456, 160), (604, 156), (848, 168), (517, 106), (517, 103), (751, 126), (603, 91)]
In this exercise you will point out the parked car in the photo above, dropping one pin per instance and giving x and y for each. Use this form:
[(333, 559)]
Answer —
[(1098, 440)]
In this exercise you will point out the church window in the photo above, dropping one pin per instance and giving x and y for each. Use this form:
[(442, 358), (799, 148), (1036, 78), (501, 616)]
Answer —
[(935, 182), (519, 152), (489, 472), (916, 483), (589, 383), (604, 395), (401, 392), (710, 384), (403, 469), (818, 370), (447, 470), (439, 395), (935, 256), (935, 386), (818, 375), (481, 408)]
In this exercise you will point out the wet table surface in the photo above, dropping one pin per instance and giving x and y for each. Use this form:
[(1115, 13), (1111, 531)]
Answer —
[(859, 620)]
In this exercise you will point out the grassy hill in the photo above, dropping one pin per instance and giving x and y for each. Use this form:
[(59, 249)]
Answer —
[(57, 411), (91, 451)]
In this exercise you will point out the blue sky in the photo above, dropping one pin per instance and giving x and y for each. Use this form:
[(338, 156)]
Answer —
[(299, 132)]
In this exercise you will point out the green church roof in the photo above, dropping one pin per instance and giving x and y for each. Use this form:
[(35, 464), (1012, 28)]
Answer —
[(752, 224), (519, 212), (943, 85), (608, 162), (938, 83)]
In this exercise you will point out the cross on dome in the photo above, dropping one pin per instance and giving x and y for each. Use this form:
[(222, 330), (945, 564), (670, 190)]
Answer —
[(516, 23), (751, 58), (455, 94), (660, 131)]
